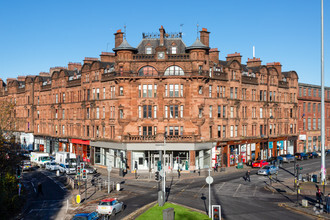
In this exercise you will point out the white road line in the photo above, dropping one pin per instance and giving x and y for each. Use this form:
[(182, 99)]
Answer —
[(237, 189), (56, 182), (221, 187), (255, 190), (33, 187)]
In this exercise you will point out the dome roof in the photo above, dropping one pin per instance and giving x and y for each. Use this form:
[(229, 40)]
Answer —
[(197, 45), (124, 46)]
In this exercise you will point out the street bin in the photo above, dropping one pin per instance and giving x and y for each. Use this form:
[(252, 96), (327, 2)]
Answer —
[(314, 178), (118, 187), (240, 165)]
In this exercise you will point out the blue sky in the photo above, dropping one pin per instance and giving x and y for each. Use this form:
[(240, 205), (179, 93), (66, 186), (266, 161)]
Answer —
[(38, 34)]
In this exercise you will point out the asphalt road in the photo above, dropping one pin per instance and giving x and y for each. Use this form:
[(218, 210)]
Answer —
[(238, 199), (47, 204)]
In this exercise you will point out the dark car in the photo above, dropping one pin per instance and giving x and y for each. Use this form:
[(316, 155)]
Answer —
[(327, 152), (86, 216), (312, 155), (301, 156), (287, 158), (273, 160)]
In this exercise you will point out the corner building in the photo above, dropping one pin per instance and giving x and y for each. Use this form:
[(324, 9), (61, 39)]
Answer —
[(163, 95)]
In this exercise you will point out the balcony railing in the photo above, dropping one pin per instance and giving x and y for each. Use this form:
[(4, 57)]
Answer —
[(46, 87), (160, 138), (21, 90), (250, 80), (283, 84), (220, 75), (144, 57), (75, 82), (178, 56), (112, 75)]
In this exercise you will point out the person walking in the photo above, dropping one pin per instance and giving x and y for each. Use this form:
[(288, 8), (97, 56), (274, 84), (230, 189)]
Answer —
[(40, 189), (327, 200), (319, 196), (247, 176), (179, 172)]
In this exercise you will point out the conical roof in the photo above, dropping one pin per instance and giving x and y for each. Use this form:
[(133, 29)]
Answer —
[(197, 45), (124, 46)]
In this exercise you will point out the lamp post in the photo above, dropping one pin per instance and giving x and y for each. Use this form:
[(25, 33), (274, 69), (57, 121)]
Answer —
[(164, 176), (323, 170)]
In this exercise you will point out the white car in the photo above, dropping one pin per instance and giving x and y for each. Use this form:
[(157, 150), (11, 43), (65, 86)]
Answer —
[(68, 169), (52, 166), (109, 207)]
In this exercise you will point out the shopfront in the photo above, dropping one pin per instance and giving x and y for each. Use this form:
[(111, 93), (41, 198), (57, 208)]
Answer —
[(82, 149), (27, 141), (115, 152), (186, 156), (39, 144), (63, 145)]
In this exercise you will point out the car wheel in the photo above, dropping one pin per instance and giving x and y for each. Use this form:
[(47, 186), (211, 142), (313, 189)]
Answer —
[(122, 207), (113, 213)]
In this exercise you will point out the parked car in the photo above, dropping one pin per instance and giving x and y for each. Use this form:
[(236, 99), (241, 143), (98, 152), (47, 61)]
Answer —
[(312, 155), (267, 170), (109, 207), (52, 166), (273, 160), (259, 163), (89, 169), (86, 216), (327, 152), (301, 156), (287, 158), (26, 165), (68, 169)]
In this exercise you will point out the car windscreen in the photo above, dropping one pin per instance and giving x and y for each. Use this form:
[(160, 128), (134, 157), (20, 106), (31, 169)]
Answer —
[(53, 164), (44, 158), (266, 167), (104, 203)]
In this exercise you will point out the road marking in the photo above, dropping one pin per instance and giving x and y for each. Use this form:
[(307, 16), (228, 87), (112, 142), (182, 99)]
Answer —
[(255, 190), (221, 187), (195, 196), (33, 187), (56, 182), (237, 189)]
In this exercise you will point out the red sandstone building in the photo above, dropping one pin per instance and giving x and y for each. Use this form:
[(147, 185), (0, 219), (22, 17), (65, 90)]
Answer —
[(309, 101), (124, 102)]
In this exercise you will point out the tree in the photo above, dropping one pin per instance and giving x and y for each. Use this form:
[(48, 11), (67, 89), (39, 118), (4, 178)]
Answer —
[(8, 121)]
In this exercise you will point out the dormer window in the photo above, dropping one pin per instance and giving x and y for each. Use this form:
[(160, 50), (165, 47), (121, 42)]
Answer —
[(148, 50), (173, 50)]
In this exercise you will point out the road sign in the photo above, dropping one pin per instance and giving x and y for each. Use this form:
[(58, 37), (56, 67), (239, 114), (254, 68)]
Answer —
[(209, 180), (109, 167), (78, 199)]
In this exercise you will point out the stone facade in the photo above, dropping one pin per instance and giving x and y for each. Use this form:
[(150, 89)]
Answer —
[(132, 104), (309, 122)]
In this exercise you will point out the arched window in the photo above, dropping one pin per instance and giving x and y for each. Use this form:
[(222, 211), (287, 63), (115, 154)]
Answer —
[(174, 70), (148, 71)]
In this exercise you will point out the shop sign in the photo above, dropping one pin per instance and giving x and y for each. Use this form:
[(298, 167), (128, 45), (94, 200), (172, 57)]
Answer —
[(63, 140), (270, 145), (302, 137), (253, 147)]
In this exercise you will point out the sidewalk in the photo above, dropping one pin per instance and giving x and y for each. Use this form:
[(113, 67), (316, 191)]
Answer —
[(144, 175), (307, 192)]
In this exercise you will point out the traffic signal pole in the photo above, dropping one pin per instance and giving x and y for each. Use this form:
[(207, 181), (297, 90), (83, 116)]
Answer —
[(323, 170)]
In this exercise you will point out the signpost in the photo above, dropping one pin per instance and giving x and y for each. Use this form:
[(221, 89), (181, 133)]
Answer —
[(109, 168), (209, 180)]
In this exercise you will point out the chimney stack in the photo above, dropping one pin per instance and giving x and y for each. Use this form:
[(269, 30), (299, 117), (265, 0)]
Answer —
[(253, 62), (119, 36), (162, 34), (73, 66), (204, 35), (234, 56), (214, 55)]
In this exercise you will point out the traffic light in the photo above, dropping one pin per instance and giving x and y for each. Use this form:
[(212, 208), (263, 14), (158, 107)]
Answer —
[(156, 175), (84, 174), (216, 212), (78, 170), (18, 172)]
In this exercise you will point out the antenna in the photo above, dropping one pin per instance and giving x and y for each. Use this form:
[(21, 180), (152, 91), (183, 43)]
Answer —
[(254, 52), (125, 31), (197, 29), (181, 25)]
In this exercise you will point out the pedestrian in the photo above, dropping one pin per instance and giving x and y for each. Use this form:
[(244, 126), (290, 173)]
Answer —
[(136, 168), (247, 176), (179, 172), (199, 171), (40, 189), (328, 203), (319, 196), (216, 167)]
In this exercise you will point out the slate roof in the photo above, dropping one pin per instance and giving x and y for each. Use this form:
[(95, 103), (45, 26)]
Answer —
[(154, 42), (223, 63), (124, 46)]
